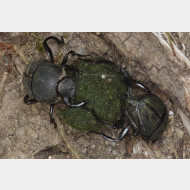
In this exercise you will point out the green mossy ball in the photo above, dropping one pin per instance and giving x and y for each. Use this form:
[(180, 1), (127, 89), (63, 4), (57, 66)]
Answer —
[(102, 85)]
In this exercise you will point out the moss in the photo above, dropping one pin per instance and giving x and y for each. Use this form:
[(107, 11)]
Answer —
[(39, 46), (101, 84), (65, 35)]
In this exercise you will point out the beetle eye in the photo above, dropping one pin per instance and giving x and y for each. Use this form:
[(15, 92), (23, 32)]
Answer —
[(66, 87)]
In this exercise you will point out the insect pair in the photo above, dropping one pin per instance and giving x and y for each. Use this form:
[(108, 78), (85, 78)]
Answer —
[(97, 94)]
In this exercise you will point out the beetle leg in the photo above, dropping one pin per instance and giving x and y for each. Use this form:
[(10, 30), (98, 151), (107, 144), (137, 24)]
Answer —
[(104, 136), (137, 83), (71, 70), (72, 53), (119, 123), (127, 77), (47, 48), (108, 138), (131, 82), (122, 134), (52, 120), (135, 133), (29, 101), (66, 100)]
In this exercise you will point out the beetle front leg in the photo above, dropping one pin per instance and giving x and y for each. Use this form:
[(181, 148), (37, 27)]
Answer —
[(128, 79), (47, 48), (66, 100), (137, 83), (72, 53), (29, 101), (52, 120), (106, 137), (122, 134)]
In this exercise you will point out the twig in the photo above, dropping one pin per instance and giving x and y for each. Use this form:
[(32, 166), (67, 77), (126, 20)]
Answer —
[(2, 84), (4, 78), (62, 133), (149, 147), (21, 54), (171, 44), (172, 145), (175, 152), (129, 149)]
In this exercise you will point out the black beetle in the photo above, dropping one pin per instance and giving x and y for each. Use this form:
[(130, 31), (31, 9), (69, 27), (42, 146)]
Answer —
[(46, 82), (147, 114)]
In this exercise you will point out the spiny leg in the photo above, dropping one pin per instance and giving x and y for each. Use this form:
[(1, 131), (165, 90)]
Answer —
[(47, 48), (122, 134), (52, 120), (72, 53), (29, 101), (128, 79), (139, 84), (118, 124), (104, 136), (67, 102)]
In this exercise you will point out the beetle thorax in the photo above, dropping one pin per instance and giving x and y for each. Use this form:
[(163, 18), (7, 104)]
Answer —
[(66, 88), (45, 81)]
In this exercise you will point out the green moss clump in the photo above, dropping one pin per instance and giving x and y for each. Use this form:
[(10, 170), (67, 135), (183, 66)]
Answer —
[(101, 83), (65, 35), (39, 46)]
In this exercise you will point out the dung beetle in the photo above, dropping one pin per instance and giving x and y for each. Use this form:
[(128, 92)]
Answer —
[(46, 82), (147, 114)]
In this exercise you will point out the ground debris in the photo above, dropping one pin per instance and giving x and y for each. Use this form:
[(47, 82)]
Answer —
[(50, 151), (4, 79)]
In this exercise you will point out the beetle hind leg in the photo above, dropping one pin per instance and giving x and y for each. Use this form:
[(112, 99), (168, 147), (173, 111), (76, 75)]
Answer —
[(122, 134)]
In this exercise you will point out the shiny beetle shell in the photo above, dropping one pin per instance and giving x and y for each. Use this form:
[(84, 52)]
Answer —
[(148, 115), (40, 80)]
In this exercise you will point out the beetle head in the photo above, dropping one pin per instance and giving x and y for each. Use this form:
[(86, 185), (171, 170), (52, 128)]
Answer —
[(66, 87)]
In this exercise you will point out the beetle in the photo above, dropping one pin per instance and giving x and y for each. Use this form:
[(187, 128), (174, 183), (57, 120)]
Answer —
[(46, 82), (147, 114)]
